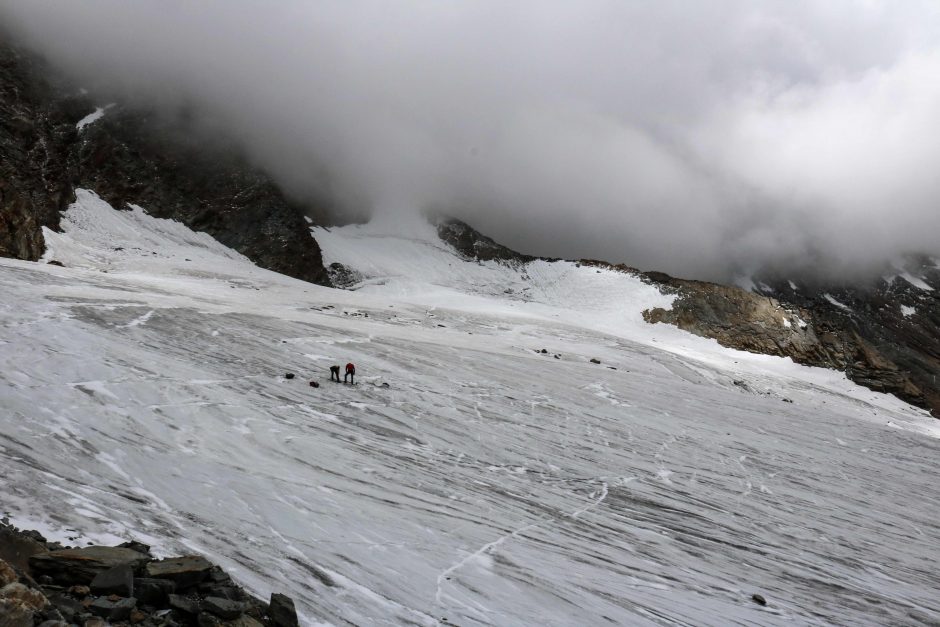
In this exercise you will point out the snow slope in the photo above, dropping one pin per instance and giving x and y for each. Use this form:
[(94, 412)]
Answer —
[(141, 395)]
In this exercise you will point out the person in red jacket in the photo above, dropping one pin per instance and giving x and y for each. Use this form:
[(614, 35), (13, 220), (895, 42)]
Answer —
[(350, 374)]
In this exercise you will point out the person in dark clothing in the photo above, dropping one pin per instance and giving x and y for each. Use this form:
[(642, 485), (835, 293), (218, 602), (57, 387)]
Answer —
[(334, 373), (350, 374)]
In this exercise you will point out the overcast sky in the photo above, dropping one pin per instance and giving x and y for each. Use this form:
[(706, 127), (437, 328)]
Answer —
[(697, 138)]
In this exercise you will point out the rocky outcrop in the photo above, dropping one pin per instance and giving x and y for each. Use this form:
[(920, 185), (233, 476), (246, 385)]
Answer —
[(896, 315), (760, 324), (58, 586), (164, 164), (471, 244), (36, 130)]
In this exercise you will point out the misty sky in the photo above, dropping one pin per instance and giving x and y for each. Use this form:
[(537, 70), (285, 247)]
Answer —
[(697, 138)]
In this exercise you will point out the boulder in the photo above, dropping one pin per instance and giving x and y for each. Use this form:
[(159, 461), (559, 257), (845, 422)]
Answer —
[(185, 572), (282, 611), (29, 598), (19, 604), (223, 608), (70, 566), (66, 605), (184, 604), (118, 580), (116, 610), (217, 575), (134, 545), (225, 591), (153, 592)]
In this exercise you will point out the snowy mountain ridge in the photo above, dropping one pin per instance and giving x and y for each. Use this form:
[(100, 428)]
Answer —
[(468, 477)]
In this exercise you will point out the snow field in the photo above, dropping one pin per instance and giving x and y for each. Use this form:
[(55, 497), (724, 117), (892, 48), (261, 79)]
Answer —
[(488, 483)]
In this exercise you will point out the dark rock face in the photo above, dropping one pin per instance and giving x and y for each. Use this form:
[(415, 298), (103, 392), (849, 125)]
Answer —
[(473, 245), (36, 129), (898, 321), (809, 334), (128, 156)]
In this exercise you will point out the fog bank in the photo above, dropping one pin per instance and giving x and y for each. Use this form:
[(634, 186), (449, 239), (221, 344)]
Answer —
[(701, 139)]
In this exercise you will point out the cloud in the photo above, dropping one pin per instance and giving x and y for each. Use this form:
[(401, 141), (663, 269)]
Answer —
[(701, 139)]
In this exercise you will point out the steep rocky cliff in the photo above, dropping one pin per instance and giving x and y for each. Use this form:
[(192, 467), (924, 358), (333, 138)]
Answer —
[(49, 146)]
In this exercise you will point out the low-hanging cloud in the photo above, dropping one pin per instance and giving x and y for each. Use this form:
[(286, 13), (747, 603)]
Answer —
[(702, 139)]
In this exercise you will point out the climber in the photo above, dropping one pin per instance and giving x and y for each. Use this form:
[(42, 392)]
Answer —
[(350, 374), (334, 373)]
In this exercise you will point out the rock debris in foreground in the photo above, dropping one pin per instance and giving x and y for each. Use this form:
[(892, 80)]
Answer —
[(44, 583)]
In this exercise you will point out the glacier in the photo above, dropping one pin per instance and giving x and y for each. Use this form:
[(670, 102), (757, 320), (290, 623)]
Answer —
[(468, 478)]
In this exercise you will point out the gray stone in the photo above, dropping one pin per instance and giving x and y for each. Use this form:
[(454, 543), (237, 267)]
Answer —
[(118, 580), (184, 604), (223, 608), (71, 566), (113, 610), (184, 571), (221, 590), (282, 611), (153, 592), (66, 605), (217, 575)]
